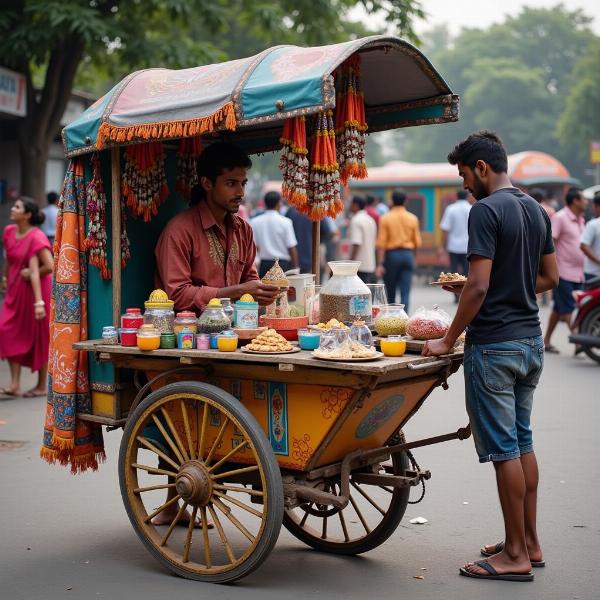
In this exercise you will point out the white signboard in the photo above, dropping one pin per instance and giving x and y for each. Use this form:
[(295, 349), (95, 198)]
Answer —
[(13, 93)]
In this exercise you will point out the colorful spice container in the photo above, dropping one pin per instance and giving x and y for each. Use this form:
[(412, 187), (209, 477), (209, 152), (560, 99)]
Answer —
[(185, 319), (168, 341), (203, 341), (132, 319), (109, 335), (128, 336), (185, 339), (246, 313)]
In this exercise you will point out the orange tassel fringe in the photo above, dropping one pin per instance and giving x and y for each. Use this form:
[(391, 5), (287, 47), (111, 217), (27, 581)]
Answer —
[(169, 129)]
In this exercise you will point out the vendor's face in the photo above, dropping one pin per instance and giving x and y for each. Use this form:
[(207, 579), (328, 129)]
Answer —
[(227, 192), (474, 179)]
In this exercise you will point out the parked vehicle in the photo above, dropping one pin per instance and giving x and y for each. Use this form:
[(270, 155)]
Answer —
[(586, 318)]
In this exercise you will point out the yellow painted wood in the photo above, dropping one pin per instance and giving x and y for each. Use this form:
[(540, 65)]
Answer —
[(103, 404)]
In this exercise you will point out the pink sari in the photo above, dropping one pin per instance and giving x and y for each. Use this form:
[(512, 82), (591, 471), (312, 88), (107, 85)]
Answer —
[(23, 339)]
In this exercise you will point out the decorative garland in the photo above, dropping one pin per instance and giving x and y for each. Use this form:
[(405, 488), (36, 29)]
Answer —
[(144, 183), (187, 175), (294, 162), (95, 242), (125, 245), (324, 177), (350, 121)]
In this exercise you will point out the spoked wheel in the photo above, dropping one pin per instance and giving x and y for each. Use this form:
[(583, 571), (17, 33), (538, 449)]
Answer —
[(371, 516), (191, 452), (591, 326)]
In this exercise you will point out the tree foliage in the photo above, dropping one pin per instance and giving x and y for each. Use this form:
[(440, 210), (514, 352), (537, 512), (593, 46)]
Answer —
[(514, 77)]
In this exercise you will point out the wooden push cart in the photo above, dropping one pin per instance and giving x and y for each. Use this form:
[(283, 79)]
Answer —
[(244, 443)]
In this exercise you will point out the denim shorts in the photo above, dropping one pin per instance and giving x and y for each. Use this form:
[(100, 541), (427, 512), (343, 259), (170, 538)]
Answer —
[(500, 379)]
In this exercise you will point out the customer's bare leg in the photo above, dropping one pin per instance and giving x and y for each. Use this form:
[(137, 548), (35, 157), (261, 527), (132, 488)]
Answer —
[(15, 379), (514, 557), (552, 322)]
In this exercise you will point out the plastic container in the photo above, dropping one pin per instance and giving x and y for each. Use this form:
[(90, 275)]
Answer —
[(308, 340), (185, 319), (185, 339), (360, 332), (148, 337), (228, 309), (391, 320), (132, 319), (378, 299), (213, 319), (128, 336), (393, 345), (110, 335), (227, 342), (202, 341), (344, 297), (168, 341), (246, 315), (311, 293), (329, 341), (297, 293)]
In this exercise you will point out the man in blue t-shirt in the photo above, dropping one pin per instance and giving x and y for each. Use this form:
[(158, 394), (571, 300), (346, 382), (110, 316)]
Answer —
[(511, 259)]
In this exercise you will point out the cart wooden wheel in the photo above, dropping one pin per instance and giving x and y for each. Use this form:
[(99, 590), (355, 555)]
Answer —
[(372, 515), (200, 483)]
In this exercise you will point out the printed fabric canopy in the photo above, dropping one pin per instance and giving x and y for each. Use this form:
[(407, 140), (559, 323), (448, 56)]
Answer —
[(253, 96)]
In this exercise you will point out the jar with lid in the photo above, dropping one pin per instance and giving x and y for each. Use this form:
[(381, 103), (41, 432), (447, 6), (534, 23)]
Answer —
[(109, 335), (360, 332), (344, 297), (213, 319), (132, 319), (227, 308), (159, 312), (187, 319), (391, 320), (148, 337)]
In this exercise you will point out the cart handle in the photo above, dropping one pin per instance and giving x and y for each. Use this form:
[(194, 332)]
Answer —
[(443, 362)]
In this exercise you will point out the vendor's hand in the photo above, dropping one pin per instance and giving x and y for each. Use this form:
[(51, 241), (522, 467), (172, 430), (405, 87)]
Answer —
[(40, 312), (380, 272), (437, 347), (262, 293), (26, 273)]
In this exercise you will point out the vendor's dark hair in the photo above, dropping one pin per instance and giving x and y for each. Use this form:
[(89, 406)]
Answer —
[(272, 199), (359, 201), (31, 207), (212, 161), (483, 145), (572, 194)]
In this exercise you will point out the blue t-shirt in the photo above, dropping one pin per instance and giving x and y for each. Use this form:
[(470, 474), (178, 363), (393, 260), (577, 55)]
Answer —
[(513, 230)]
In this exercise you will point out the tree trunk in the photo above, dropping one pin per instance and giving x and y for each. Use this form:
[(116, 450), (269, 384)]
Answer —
[(33, 172)]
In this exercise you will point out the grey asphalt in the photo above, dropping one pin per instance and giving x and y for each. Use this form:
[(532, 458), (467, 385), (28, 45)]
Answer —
[(64, 536)]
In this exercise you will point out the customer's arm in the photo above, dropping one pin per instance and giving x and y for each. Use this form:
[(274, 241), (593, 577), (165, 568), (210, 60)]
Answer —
[(547, 278), (38, 305)]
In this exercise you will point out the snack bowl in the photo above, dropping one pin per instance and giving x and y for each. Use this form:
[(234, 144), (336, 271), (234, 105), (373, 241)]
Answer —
[(285, 326)]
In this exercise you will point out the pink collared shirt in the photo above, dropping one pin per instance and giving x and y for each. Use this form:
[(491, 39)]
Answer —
[(567, 228)]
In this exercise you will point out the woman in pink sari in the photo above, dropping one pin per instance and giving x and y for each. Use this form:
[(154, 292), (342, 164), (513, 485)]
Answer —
[(27, 281)]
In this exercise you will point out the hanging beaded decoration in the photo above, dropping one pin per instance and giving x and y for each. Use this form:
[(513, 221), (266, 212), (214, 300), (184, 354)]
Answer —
[(294, 162), (95, 242), (350, 121), (125, 246), (144, 183), (187, 175), (324, 176)]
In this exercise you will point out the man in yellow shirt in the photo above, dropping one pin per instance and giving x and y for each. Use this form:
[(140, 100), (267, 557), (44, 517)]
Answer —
[(399, 237)]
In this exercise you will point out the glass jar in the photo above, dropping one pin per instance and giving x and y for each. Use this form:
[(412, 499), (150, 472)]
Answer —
[(148, 337), (393, 345), (162, 318), (378, 299), (360, 332), (187, 319), (227, 309), (311, 303), (329, 341), (344, 297), (110, 335), (132, 319), (391, 320), (213, 319)]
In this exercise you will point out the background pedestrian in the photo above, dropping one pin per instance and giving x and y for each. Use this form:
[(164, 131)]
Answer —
[(362, 235), (50, 216), (590, 242)]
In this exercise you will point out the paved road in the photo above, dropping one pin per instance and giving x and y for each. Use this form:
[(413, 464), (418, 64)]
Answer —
[(69, 537)]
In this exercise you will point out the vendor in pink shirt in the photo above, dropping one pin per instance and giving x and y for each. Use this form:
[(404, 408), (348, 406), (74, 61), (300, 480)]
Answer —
[(567, 227)]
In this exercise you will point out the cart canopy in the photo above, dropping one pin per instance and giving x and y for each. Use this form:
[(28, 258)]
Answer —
[(253, 96)]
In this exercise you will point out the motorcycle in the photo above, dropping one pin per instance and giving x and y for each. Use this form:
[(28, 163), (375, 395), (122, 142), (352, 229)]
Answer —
[(586, 318)]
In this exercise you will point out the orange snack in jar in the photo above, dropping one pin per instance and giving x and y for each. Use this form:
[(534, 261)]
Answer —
[(393, 345)]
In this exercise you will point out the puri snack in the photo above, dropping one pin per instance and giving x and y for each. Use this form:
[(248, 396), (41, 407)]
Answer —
[(451, 277), (269, 341)]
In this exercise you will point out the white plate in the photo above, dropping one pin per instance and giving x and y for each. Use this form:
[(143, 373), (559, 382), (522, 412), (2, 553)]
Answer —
[(248, 351), (375, 356)]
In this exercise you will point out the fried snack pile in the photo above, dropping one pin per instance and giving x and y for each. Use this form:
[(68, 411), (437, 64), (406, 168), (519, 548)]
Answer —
[(276, 276), (451, 277), (269, 341), (332, 324), (348, 349)]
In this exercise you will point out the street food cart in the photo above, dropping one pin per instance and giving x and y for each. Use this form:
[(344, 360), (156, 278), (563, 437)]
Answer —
[(244, 442)]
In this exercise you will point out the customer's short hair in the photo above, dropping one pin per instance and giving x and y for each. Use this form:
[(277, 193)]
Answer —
[(359, 201), (398, 197), (370, 200), (213, 160), (596, 199), (461, 194), (272, 199), (51, 197), (538, 194), (483, 145), (572, 194)]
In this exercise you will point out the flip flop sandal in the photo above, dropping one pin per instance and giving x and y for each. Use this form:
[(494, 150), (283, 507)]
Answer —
[(34, 394), (493, 574), (500, 546), (7, 392), (552, 349)]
